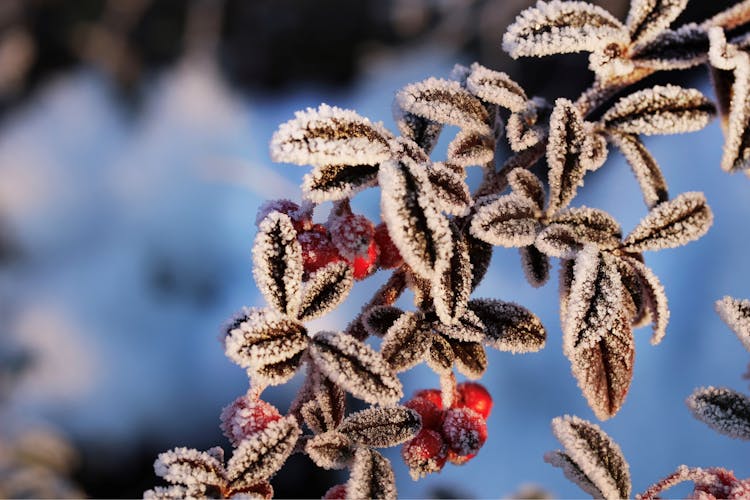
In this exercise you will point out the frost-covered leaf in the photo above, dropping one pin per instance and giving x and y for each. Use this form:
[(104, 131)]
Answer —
[(508, 221), (480, 256), (471, 359), (277, 259), (407, 341), (648, 18), (171, 493), (557, 27), (410, 210), (528, 185), (382, 427), (535, 265), (469, 148), (190, 467), (573, 228), (337, 182), (644, 166), (450, 190), (654, 298), (371, 477), (724, 410), (444, 101), (330, 136), (496, 87), (377, 320), (671, 224), (736, 314), (595, 455), (522, 130), (276, 373), (571, 470), (452, 286), (355, 367), (440, 357), (325, 290), (509, 327), (682, 48), (422, 131), (468, 328), (331, 399), (660, 110), (330, 450), (260, 457), (634, 295)]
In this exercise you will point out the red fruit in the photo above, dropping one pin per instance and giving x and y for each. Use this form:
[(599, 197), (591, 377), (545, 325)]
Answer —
[(474, 396), (425, 453), (389, 254), (365, 265), (431, 395), (457, 459), (352, 234), (464, 430), (317, 249), (337, 492), (432, 416), (301, 220), (245, 417)]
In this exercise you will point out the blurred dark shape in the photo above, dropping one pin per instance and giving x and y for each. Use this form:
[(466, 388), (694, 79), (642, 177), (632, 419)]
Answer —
[(448, 492), (169, 280)]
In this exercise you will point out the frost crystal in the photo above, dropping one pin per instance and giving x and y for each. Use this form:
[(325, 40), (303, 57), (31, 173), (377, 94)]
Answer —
[(448, 186), (648, 18), (371, 477), (470, 148), (528, 185), (644, 166), (382, 427), (724, 410), (571, 229), (325, 290), (509, 221), (407, 341), (496, 87), (736, 314), (509, 327), (192, 468), (330, 450), (470, 358), (338, 182)]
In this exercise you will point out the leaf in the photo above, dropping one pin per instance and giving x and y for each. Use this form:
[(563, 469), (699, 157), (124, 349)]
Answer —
[(525, 128), (671, 224), (190, 467), (355, 367), (679, 49), (644, 166), (654, 298), (382, 427), (331, 399), (325, 290), (260, 457), (567, 268), (338, 182), (440, 357), (471, 359), (452, 287), (276, 373), (468, 328), (406, 342), (571, 229), (648, 18), (528, 185), (330, 450), (508, 221), (377, 320), (371, 477), (724, 410), (446, 102), (480, 256), (495, 87), (595, 454), (409, 209), (450, 190), (571, 470), (172, 492), (469, 148), (277, 259), (736, 314), (509, 327), (330, 136), (535, 265), (660, 110), (422, 131), (562, 27)]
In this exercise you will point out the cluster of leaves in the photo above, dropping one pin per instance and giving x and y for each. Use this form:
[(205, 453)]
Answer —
[(445, 235)]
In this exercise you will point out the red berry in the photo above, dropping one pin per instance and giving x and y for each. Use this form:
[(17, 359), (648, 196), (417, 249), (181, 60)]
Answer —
[(337, 492), (431, 395), (425, 453), (464, 430), (352, 234), (457, 459), (389, 254), (245, 417), (432, 416), (301, 220), (317, 249), (474, 396), (365, 265)]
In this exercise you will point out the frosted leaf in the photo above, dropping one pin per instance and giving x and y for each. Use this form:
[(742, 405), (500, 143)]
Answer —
[(260, 457), (679, 49), (330, 136), (525, 128), (736, 314), (528, 185), (535, 265), (496, 87), (452, 286), (634, 293), (377, 320), (597, 147), (382, 427), (508, 221), (471, 360), (260, 491), (444, 101), (190, 467), (406, 342), (277, 373), (660, 110), (357, 368), (574, 473), (312, 415), (450, 191), (509, 327), (724, 410), (325, 290), (610, 63), (655, 299), (567, 268), (671, 224), (644, 166), (277, 259), (595, 454), (480, 256), (468, 328), (331, 399), (371, 477), (709, 483), (422, 131), (337, 182), (569, 153), (469, 148), (330, 450), (409, 209), (460, 73), (170, 493), (440, 357), (648, 18), (571, 229)]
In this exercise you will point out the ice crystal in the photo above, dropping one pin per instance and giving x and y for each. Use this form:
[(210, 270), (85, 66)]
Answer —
[(330, 450), (509, 326), (338, 182), (495, 87), (724, 410), (648, 18), (382, 427), (325, 290), (509, 221), (371, 477), (736, 314), (644, 166)]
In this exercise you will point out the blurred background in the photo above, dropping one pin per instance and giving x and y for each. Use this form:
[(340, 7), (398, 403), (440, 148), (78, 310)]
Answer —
[(133, 156)]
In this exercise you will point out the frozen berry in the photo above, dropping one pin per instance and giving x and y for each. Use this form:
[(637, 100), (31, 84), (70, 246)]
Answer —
[(431, 395), (464, 430), (474, 396), (457, 459), (337, 492), (301, 220), (389, 254), (317, 249), (365, 265), (425, 453), (352, 234), (432, 416), (245, 417)]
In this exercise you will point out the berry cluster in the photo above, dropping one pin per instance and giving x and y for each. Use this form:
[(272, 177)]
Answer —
[(345, 237), (454, 434)]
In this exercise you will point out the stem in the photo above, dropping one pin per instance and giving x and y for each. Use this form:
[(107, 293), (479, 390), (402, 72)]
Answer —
[(448, 391), (385, 296), (731, 18)]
